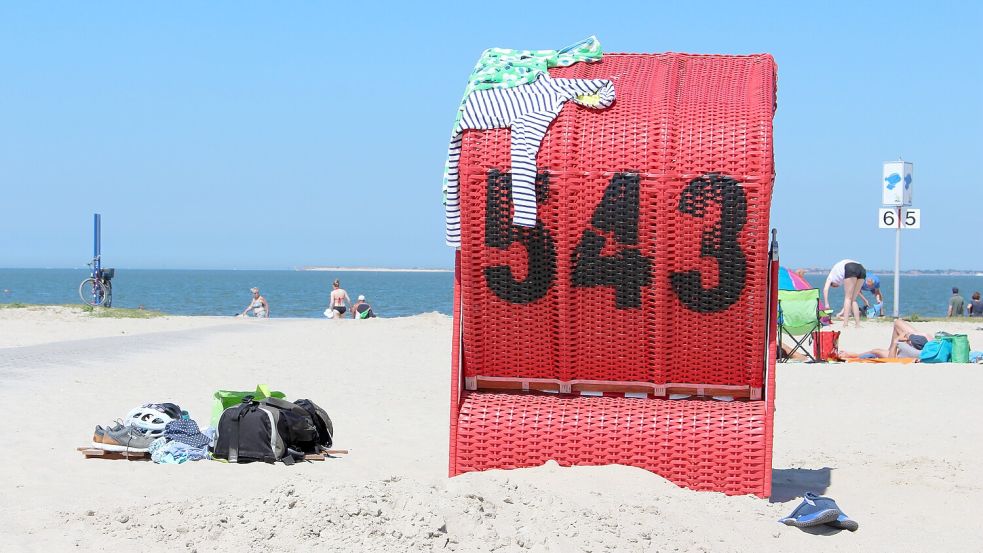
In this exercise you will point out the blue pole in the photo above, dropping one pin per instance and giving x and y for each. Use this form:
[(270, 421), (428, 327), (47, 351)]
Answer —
[(97, 241)]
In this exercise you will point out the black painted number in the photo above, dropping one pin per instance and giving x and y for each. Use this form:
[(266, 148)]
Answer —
[(500, 233), (628, 271), (719, 242)]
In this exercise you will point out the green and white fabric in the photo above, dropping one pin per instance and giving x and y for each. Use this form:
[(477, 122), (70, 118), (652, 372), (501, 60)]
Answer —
[(506, 68), (528, 111), (503, 68)]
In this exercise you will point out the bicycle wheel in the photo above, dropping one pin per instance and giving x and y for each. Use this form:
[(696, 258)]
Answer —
[(92, 292)]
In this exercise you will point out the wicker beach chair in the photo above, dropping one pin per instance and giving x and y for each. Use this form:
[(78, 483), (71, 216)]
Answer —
[(647, 278)]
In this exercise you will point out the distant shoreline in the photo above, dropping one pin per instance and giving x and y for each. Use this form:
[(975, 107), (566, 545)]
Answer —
[(808, 270), (910, 272), (373, 270)]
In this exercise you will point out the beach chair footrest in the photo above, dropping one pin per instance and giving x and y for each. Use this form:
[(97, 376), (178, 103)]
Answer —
[(697, 444)]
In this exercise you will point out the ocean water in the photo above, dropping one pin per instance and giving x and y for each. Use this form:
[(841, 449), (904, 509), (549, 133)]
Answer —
[(217, 292), (391, 294), (924, 295)]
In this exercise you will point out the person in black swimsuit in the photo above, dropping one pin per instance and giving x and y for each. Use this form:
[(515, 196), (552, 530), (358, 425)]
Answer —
[(339, 301)]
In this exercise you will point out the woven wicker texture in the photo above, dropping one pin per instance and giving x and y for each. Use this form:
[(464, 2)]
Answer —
[(650, 260), (649, 264), (703, 445)]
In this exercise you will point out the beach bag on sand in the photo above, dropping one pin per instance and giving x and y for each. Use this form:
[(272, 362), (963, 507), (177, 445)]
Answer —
[(322, 422), (936, 351), (228, 398), (254, 432), (271, 430), (959, 344), (300, 434), (826, 345), (309, 428)]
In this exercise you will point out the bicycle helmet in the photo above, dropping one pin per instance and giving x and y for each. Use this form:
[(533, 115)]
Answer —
[(148, 419), (169, 408)]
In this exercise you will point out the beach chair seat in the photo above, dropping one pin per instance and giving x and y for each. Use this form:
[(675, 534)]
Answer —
[(646, 289), (799, 316), (699, 444)]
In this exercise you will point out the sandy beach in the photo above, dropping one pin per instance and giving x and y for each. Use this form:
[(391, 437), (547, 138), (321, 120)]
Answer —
[(898, 447)]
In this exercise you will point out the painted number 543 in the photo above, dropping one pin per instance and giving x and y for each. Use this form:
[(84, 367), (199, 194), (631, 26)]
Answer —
[(608, 253)]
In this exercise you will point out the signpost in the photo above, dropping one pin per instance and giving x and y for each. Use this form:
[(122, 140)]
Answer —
[(896, 188), (96, 243)]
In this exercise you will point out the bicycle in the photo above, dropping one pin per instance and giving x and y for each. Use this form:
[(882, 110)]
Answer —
[(97, 290)]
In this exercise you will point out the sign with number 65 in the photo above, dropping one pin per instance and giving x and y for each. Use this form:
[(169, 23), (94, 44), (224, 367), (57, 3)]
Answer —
[(910, 218)]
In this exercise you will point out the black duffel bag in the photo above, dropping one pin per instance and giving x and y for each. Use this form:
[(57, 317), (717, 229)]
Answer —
[(325, 430), (272, 430)]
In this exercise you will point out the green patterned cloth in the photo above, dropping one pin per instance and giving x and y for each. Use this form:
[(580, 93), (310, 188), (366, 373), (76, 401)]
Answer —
[(507, 68)]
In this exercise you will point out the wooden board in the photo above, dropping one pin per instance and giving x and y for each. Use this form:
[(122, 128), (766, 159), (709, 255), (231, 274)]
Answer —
[(325, 454), (96, 453)]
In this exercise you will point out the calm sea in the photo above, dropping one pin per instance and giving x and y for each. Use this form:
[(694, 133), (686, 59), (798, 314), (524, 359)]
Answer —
[(193, 292), (392, 294), (927, 296)]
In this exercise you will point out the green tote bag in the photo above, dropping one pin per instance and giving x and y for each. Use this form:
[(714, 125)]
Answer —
[(228, 398), (960, 346)]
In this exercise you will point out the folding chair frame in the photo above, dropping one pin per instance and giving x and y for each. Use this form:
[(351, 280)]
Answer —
[(799, 342)]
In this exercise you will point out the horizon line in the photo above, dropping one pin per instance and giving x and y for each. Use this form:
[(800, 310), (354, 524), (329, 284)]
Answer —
[(326, 268), (293, 269)]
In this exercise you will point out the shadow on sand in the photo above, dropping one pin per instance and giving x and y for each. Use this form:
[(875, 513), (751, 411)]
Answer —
[(789, 484)]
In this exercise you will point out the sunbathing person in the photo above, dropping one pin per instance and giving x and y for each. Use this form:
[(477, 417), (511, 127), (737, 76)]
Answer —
[(906, 342)]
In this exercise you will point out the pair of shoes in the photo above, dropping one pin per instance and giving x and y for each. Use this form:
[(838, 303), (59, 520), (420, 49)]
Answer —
[(815, 510), (100, 431), (124, 438)]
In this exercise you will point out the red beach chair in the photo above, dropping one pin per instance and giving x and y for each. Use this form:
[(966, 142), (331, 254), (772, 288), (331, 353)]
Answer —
[(648, 278)]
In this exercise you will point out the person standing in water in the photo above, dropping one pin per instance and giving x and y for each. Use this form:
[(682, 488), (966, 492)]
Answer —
[(339, 300)]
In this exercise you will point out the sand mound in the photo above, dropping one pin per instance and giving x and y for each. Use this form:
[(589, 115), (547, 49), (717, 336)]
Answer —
[(542, 509)]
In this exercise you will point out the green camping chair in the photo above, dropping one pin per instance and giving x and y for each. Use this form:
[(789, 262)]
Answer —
[(798, 317)]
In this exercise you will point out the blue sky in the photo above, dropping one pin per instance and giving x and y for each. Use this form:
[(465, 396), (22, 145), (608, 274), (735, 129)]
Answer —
[(272, 135)]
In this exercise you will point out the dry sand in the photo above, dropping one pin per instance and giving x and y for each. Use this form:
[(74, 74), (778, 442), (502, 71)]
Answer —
[(898, 446)]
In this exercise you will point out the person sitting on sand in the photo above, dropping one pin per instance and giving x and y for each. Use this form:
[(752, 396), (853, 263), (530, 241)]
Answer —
[(956, 303), (258, 306), (339, 300), (975, 307), (362, 309)]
